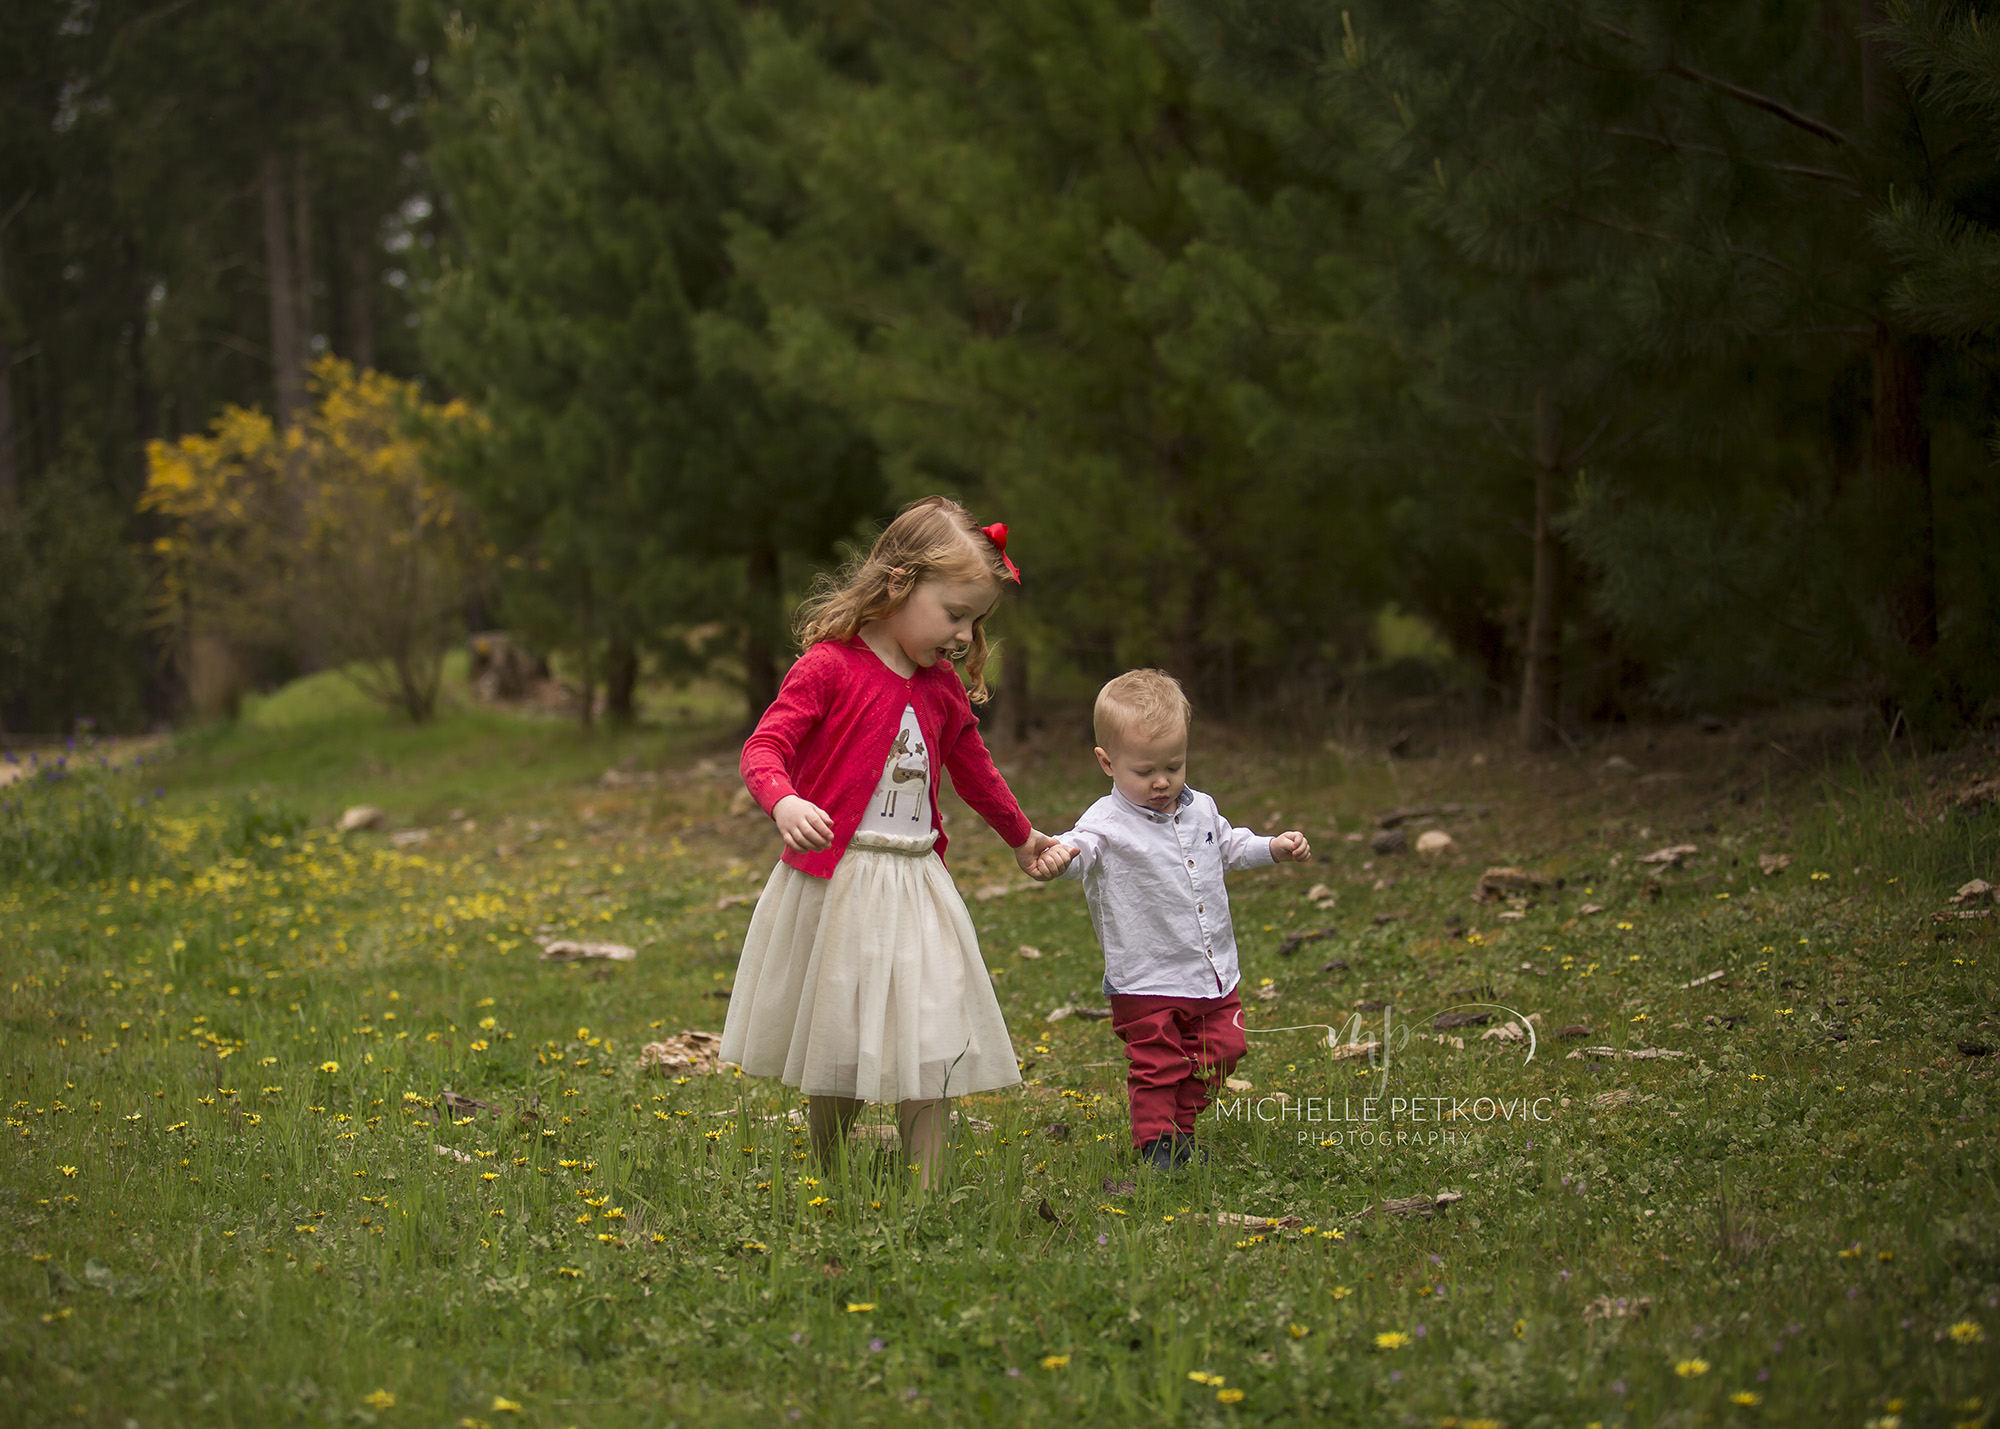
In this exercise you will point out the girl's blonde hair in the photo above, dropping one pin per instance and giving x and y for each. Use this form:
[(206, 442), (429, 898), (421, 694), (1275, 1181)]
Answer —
[(932, 539)]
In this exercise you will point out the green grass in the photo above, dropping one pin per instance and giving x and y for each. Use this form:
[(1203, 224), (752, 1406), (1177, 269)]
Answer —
[(224, 1202)]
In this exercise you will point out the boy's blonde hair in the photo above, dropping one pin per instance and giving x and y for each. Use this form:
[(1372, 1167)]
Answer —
[(932, 539), (1139, 702)]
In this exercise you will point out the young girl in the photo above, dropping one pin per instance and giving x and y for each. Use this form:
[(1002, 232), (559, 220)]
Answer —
[(861, 978)]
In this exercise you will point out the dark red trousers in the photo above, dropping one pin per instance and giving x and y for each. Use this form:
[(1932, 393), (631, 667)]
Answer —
[(1178, 1049)]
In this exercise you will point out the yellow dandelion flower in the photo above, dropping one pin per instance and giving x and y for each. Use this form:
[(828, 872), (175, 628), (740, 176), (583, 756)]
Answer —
[(68, 1171), (1691, 1368), (1392, 1340), (1520, 1328), (1747, 1398), (569, 1272), (1228, 1396), (1967, 1332), (1213, 1381), (1341, 1292), (503, 1405), (1054, 1361), (856, 1307), (379, 1399), (1298, 1332)]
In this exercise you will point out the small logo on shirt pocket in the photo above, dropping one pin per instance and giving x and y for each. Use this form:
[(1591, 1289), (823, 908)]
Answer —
[(1211, 836)]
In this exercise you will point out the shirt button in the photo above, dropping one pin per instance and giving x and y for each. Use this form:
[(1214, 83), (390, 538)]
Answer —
[(1190, 863)]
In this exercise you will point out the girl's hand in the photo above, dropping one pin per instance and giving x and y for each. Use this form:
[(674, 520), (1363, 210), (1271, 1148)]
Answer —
[(1291, 847), (805, 825), (1028, 853), (1053, 860)]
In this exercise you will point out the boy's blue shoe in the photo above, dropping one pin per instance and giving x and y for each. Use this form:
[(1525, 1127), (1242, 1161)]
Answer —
[(1171, 1151)]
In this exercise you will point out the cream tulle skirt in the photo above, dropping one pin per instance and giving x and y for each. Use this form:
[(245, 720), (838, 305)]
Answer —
[(868, 984)]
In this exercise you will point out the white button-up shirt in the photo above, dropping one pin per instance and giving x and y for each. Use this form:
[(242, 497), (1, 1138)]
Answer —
[(1154, 884)]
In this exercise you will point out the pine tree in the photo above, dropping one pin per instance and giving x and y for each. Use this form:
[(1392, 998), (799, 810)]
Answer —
[(986, 229), (587, 200), (1665, 216)]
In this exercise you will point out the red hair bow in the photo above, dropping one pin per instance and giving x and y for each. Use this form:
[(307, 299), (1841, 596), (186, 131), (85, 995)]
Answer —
[(997, 534)]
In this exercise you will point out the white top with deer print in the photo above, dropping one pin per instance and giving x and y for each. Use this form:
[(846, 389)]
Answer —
[(901, 804)]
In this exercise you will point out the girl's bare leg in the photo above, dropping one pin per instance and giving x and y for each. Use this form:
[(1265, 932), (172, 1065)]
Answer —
[(829, 1119), (922, 1126)]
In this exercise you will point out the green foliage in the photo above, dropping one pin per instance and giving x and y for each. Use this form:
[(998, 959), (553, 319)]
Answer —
[(589, 202), (1006, 238), (253, 824), (71, 609), (67, 823)]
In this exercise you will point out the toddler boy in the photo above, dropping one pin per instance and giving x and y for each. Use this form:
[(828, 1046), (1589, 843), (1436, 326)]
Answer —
[(1151, 856)]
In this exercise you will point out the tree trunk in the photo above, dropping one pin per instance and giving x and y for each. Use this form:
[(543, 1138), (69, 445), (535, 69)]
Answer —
[(586, 618), (1541, 676), (760, 654), (302, 268), (1016, 702), (145, 402), (621, 679), (288, 375), (361, 293), (10, 481), (1899, 461)]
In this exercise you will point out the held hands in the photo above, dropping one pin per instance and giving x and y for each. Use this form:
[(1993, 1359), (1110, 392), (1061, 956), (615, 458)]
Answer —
[(1041, 857), (1291, 847), (805, 825)]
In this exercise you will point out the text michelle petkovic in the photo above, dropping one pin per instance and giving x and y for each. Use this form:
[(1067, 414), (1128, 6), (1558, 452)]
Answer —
[(1385, 1122)]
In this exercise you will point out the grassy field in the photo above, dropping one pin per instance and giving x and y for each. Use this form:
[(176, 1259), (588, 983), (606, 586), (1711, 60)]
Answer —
[(235, 1192)]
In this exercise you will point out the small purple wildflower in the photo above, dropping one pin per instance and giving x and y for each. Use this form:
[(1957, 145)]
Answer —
[(1562, 1275), (1423, 1330), (1794, 1328), (875, 1346), (798, 1337), (1762, 1375), (1395, 1376), (910, 1393), (1013, 1373), (1617, 1386), (1853, 1291), (1104, 1240)]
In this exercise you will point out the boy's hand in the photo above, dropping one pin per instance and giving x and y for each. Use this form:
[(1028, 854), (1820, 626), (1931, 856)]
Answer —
[(805, 825), (1030, 853), (1291, 847), (1054, 859)]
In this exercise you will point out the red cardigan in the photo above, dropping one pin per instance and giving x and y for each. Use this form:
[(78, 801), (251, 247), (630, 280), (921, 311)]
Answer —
[(828, 734)]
